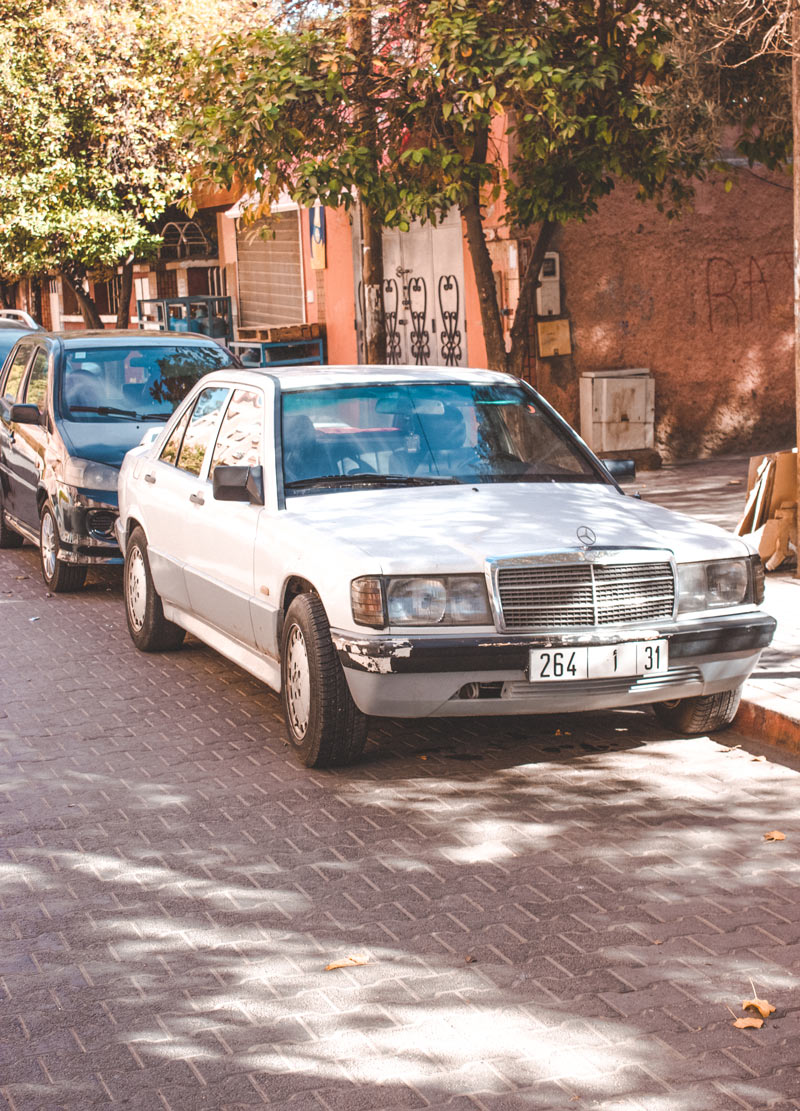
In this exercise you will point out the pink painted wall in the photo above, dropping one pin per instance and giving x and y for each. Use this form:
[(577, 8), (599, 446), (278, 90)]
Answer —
[(705, 302)]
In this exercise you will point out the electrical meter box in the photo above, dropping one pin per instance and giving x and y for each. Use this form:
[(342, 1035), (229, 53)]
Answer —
[(618, 409), (548, 295)]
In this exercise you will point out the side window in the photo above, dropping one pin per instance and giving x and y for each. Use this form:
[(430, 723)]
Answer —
[(17, 369), (169, 453), (239, 440), (36, 386), (201, 427)]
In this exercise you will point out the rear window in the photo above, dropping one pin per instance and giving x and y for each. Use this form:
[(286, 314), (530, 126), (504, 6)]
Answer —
[(136, 382)]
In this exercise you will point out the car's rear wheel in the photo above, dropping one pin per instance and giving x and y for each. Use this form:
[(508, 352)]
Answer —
[(8, 537), (703, 714), (324, 725), (149, 629), (60, 577)]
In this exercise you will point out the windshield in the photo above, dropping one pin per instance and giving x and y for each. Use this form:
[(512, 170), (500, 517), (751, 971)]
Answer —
[(423, 435), (134, 382)]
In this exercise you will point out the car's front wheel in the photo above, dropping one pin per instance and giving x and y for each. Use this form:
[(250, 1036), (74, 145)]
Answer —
[(703, 714), (149, 629), (60, 577), (324, 725)]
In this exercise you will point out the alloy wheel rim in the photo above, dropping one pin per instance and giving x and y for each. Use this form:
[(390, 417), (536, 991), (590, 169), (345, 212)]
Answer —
[(136, 589), (298, 682), (49, 545)]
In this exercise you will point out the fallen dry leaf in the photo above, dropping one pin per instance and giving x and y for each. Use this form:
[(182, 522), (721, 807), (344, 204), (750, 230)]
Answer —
[(775, 835), (744, 1023), (730, 748), (347, 962), (759, 759), (423, 757), (470, 959), (764, 1008), (657, 942)]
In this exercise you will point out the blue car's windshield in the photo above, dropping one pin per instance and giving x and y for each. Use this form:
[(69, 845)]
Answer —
[(425, 434), (144, 382)]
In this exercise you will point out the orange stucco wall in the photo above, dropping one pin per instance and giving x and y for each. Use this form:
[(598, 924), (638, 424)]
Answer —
[(333, 288)]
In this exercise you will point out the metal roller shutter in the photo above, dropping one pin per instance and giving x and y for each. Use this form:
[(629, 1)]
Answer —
[(270, 273)]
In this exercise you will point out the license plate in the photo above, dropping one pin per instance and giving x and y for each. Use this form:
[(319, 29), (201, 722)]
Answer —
[(599, 661)]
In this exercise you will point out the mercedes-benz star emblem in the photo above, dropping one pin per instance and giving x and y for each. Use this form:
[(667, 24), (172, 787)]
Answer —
[(586, 536)]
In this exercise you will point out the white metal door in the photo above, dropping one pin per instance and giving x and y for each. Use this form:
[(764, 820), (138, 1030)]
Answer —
[(424, 294)]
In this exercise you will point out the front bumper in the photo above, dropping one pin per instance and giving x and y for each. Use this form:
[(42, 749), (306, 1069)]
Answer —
[(86, 529), (420, 676)]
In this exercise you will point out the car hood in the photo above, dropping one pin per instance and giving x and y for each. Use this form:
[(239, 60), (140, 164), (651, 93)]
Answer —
[(103, 441), (458, 527)]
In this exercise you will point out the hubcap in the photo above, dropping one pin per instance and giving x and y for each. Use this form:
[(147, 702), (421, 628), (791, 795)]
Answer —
[(49, 544), (136, 589), (298, 683)]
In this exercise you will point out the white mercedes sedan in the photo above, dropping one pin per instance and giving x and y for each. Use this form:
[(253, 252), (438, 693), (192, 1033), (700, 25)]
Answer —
[(408, 541)]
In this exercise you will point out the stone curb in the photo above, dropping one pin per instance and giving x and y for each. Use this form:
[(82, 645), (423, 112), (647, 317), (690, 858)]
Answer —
[(768, 725)]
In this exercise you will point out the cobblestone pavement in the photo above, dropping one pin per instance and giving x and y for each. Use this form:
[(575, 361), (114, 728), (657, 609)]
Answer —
[(555, 912)]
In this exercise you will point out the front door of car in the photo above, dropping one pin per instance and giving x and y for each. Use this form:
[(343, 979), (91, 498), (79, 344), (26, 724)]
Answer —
[(11, 453), (170, 486), (219, 565), (30, 444)]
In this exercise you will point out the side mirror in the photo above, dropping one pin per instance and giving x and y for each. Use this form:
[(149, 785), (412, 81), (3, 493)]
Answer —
[(623, 470), (239, 484), (24, 414)]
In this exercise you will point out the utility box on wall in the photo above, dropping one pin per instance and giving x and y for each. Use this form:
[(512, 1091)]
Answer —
[(618, 409), (548, 293)]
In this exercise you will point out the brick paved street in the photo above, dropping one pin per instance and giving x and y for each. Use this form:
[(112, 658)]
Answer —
[(556, 912)]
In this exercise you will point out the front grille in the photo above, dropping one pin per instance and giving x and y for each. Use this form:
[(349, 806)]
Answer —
[(100, 524), (538, 596)]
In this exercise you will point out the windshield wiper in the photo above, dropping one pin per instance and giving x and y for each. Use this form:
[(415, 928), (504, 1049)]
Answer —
[(372, 480), (103, 410)]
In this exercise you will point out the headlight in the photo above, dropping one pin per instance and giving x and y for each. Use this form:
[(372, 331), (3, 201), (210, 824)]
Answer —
[(420, 600), (724, 582), (88, 475)]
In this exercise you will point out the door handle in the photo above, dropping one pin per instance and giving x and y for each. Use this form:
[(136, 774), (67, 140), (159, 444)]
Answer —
[(198, 499), (149, 478)]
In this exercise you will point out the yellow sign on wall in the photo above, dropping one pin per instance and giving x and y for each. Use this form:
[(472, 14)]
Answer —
[(554, 338)]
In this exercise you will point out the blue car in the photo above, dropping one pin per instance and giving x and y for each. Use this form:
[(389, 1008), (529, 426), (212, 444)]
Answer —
[(71, 405)]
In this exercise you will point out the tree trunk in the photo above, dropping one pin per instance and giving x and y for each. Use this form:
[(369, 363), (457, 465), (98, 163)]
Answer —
[(371, 228), (124, 307), (91, 317), (496, 355), (494, 341), (525, 317), (796, 172), (36, 300), (372, 284)]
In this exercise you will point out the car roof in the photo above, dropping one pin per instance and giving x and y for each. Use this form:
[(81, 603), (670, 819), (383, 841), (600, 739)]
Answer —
[(315, 377), (7, 323), (113, 337)]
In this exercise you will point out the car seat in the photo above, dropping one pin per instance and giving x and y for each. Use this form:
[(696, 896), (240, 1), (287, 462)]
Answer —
[(304, 455)]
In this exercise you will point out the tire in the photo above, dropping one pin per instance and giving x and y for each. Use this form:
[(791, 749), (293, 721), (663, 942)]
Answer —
[(323, 723), (703, 714), (59, 577), (148, 627), (8, 537)]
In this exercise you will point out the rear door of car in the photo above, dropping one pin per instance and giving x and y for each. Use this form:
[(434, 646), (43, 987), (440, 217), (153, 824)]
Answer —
[(169, 492), (219, 562)]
